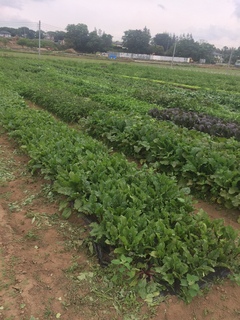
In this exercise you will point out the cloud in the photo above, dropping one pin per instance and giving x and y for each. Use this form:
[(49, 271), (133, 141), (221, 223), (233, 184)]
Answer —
[(215, 32), (17, 4), (161, 6), (237, 8), (220, 36)]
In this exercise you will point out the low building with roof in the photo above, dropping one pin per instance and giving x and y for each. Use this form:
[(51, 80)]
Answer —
[(5, 34)]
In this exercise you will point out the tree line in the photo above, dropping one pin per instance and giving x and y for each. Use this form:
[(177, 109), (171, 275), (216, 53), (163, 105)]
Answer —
[(78, 37)]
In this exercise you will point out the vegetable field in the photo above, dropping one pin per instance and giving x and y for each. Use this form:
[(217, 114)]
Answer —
[(145, 140)]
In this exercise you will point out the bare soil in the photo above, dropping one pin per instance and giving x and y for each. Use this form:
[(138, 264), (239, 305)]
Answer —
[(39, 258)]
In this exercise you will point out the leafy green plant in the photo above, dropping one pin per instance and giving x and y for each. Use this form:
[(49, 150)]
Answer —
[(143, 217), (191, 283), (208, 166)]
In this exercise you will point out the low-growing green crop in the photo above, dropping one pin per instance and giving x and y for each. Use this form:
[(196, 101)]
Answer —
[(210, 167), (145, 219), (73, 89)]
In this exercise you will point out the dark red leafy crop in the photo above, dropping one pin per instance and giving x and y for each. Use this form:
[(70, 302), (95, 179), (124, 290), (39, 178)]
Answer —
[(198, 121)]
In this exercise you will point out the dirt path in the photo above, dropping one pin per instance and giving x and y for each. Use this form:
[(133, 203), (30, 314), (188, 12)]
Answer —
[(43, 260), (33, 257), (39, 252)]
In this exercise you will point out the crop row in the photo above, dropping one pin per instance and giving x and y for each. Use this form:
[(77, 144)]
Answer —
[(142, 215), (208, 166), (198, 121), (101, 84), (189, 77), (221, 105)]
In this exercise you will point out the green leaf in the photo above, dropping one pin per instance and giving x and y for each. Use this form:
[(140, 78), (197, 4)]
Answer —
[(78, 204), (151, 297), (67, 213), (192, 279)]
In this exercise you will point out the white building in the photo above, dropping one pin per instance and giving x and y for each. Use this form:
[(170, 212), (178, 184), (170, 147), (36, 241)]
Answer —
[(5, 34)]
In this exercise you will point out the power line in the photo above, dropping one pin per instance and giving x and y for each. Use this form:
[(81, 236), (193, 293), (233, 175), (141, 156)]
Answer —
[(34, 25), (50, 27), (11, 24)]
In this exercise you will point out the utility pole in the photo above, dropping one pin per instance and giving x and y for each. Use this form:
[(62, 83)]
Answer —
[(39, 39), (230, 58), (174, 50)]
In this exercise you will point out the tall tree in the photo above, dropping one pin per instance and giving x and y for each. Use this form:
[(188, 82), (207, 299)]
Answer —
[(230, 52), (164, 40), (155, 49), (10, 30), (106, 42), (236, 55), (77, 36), (137, 41), (25, 32), (57, 35), (187, 47), (98, 41), (42, 34), (206, 51), (94, 42)]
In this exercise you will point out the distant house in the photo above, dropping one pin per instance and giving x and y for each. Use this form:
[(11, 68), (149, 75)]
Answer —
[(49, 36), (218, 57), (5, 34), (237, 63), (61, 42), (118, 45)]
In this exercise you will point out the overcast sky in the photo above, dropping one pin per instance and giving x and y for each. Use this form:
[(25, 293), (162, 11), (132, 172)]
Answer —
[(215, 21)]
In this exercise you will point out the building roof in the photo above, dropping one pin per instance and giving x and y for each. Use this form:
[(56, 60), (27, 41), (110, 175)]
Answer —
[(4, 32)]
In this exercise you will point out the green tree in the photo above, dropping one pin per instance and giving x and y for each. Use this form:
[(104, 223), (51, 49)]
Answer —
[(230, 52), (57, 35), (137, 41), (164, 40), (25, 32), (98, 41), (94, 42), (236, 55), (106, 42), (31, 43), (10, 30), (42, 34), (77, 36), (156, 49), (226, 54), (187, 47), (206, 51), (23, 42), (4, 41)]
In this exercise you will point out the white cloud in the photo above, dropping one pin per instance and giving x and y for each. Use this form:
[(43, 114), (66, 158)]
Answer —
[(17, 4), (237, 8), (220, 36)]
